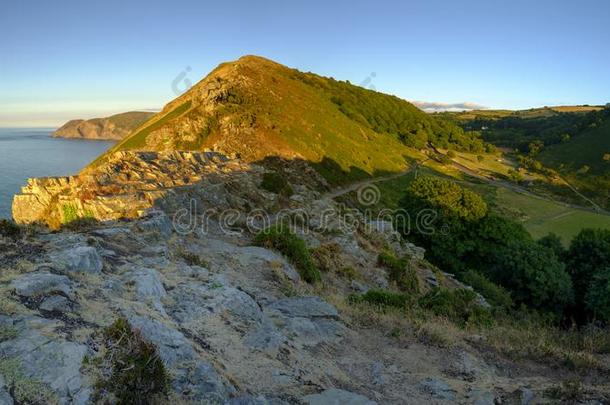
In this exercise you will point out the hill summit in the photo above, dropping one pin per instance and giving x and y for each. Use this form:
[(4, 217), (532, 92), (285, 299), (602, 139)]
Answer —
[(256, 108)]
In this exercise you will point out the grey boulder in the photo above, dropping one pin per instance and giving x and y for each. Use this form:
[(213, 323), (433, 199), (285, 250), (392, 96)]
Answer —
[(80, 259), (45, 283)]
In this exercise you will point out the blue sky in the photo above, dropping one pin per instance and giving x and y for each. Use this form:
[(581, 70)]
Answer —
[(68, 59)]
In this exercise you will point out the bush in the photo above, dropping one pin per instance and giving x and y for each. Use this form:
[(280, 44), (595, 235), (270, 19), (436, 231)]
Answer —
[(382, 298), (276, 183), (81, 224), (137, 374), (280, 238), (459, 306), (493, 293), (400, 272), (9, 229), (327, 257), (444, 159), (71, 215)]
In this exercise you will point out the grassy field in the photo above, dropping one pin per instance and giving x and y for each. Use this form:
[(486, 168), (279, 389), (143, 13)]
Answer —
[(531, 113), (539, 216)]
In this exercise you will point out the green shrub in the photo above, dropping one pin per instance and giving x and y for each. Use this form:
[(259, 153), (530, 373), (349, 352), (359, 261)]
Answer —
[(382, 298), (493, 293), (276, 183), (71, 217), (451, 154), (400, 272), (348, 272), (81, 224), (280, 238), (444, 159), (137, 373), (9, 229), (459, 306), (69, 213)]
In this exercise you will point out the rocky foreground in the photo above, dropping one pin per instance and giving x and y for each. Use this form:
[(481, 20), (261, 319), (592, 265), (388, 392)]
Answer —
[(233, 323)]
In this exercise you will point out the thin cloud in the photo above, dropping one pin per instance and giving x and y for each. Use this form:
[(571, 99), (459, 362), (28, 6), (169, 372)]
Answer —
[(437, 107)]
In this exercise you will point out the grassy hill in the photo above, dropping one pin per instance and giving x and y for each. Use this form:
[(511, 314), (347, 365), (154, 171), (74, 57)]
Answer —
[(541, 112), (588, 148), (572, 140), (257, 108)]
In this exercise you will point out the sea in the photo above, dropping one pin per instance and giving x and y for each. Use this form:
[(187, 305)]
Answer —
[(32, 152)]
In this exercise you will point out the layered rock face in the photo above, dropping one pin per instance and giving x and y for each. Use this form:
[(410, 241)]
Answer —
[(115, 127), (132, 182)]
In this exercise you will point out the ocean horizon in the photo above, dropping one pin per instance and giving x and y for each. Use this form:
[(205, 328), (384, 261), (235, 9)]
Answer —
[(32, 152)]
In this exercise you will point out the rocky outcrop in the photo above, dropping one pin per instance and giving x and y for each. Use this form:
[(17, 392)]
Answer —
[(115, 127), (131, 183)]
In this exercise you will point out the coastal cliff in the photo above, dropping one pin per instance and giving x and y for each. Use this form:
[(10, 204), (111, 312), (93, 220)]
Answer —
[(115, 127)]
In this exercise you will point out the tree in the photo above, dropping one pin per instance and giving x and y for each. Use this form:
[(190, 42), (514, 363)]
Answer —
[(515, 176), (553, 241), (535, 147), (597, 298), (606, 157), (588, 256), (454, 200), (501, 249)]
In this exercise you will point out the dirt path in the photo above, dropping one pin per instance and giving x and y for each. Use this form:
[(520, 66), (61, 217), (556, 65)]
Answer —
[(359, 184)]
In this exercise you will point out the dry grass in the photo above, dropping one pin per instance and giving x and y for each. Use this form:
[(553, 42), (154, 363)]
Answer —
[(577, 350), (439, 333), (528, 339)]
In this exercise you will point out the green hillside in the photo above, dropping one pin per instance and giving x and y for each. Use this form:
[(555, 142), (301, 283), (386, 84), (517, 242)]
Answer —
[(257, 108), (130, 120), (588, 148)]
